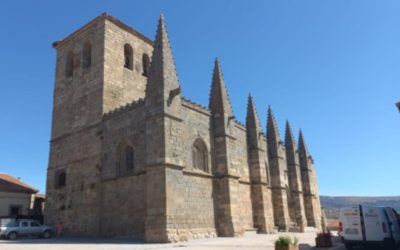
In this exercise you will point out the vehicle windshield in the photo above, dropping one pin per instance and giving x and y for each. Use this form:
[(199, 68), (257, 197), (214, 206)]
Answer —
[(7, 222)]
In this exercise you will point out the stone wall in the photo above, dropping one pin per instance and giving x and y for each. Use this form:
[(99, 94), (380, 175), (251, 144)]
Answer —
[(78, 98), (243, 191), (197, 125), (123, 85), (123, 207), (76, 204), (190, 198), (75, 145), (16, 199), (199, 205)]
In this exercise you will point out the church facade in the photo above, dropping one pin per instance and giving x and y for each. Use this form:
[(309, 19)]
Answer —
[(130, 156)]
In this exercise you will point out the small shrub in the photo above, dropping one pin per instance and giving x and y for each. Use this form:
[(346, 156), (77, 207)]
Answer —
[(285, 241)]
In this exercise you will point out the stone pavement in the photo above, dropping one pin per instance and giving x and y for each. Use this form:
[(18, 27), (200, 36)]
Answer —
[(252, 241)]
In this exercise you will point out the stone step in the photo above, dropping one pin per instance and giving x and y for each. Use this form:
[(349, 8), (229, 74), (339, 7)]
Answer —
[(251, 231), (294, 230)]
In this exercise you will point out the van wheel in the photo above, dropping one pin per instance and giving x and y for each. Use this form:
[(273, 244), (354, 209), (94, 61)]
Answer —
[(348, 246), (46, 234), (12, 236)]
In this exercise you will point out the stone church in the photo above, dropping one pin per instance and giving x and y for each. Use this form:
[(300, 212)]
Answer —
[(130, 156)]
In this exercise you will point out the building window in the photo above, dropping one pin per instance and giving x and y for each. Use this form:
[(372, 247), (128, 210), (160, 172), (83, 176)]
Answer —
[(145, 64), (125, 160), (87, 55), (15, 210), (200, 155), (69, 64), (129, 158), (61, 179), (128, 57)]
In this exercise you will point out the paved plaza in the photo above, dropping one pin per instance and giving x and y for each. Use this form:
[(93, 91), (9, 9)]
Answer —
[(252, 241)]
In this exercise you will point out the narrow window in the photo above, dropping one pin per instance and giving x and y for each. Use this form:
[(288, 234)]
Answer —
[(128, 55), (120, 160), (69, 64), (145, 64), (129, 158), (87, 55), (61, 179), (200, 155)]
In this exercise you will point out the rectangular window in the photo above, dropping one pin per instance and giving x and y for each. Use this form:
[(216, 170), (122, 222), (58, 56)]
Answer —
[(15, 210), (60, 179)]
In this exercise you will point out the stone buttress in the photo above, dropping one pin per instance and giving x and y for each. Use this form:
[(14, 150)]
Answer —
[(163, 144), (226, 182), (278, 171), (258, 165), (296, 202), (310, 186)]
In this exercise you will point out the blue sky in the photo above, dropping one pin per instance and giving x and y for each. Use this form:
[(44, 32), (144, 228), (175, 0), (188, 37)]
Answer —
[(331, 67)]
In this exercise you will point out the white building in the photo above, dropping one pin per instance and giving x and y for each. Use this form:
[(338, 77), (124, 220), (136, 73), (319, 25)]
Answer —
[(16, 197)]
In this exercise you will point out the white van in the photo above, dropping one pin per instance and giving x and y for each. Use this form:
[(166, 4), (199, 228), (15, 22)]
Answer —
[(368, 225)]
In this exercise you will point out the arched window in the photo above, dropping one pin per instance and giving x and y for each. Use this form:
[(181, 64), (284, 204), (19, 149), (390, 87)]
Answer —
[(200, 155), (87, 55), (145, 64), (128, 57), (69, 64), (129, 158)]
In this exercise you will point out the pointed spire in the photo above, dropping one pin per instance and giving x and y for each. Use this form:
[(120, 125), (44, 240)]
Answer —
[(219, 99), (252, 120), (302, 145), (272, 128), (290, 142), (162, 74)]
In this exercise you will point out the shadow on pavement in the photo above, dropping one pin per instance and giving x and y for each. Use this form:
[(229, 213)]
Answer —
[(72, 240)]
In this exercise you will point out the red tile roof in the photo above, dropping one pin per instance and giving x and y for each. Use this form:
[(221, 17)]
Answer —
[(9, 183)]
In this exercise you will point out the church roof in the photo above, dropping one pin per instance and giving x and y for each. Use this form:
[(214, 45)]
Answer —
[(109, 18), (9, 183)]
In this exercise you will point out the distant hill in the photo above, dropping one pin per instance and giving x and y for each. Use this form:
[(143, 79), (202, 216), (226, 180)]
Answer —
[(332, 204)]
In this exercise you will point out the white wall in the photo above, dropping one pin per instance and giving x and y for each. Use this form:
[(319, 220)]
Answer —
[(10, 198)]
